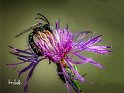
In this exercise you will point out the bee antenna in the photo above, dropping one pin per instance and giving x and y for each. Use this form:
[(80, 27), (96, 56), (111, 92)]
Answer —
[(43, 17), (40, 18)]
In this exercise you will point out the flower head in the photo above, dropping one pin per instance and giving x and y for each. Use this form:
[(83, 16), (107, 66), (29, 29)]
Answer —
[(59, 47)]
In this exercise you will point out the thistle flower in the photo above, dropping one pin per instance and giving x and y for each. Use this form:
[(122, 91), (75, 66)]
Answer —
[(60, 47)]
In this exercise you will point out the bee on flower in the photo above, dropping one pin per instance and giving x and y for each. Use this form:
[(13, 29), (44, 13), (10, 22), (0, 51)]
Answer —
[(59, 46)]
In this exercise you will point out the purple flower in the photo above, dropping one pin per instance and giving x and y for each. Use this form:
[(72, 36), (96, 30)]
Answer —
[(60, 47)]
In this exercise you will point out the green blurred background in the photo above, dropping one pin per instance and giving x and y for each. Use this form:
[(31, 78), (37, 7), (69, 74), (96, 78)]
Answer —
[(100, 16)]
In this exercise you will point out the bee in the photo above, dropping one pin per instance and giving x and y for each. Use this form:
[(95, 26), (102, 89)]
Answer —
[(38, 27)]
